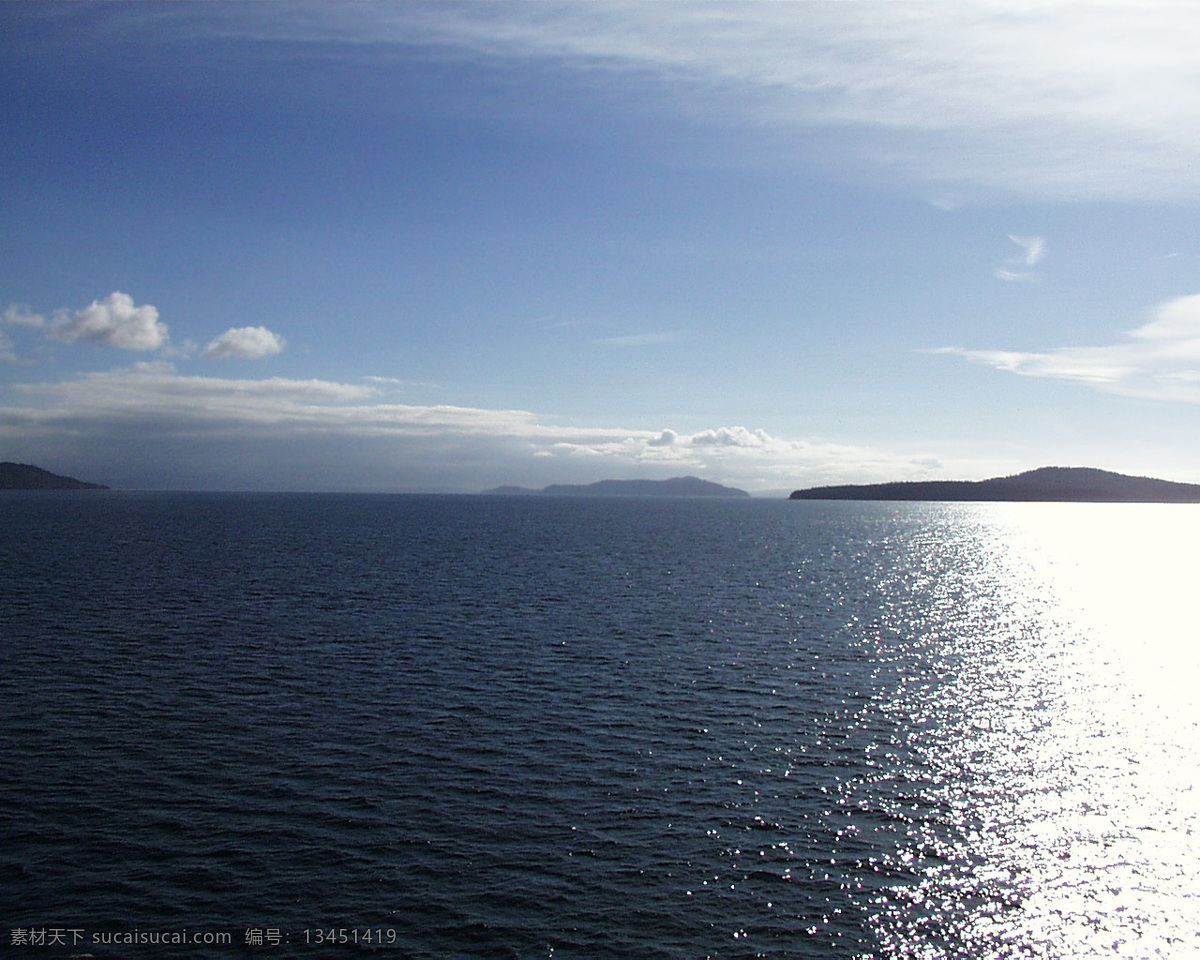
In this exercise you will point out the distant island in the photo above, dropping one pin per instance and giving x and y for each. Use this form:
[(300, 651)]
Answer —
[(1046, 484), (675, 487), (24, 476)]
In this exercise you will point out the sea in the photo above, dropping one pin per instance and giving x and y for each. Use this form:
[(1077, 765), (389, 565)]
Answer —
[(441, 727)]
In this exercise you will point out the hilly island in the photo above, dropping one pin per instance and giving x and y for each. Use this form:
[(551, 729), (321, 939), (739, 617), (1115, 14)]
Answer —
[(675, 487), (24, 476), (1046, 484)]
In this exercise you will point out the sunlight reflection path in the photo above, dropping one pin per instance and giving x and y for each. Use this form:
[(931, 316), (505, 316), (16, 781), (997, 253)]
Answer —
[(1127, 823), (1065, 737)]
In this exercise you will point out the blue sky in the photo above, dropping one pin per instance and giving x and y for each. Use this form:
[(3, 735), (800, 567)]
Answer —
[(444, 246)]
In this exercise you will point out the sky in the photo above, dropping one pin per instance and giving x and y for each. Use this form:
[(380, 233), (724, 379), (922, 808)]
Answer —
[(441, 246)]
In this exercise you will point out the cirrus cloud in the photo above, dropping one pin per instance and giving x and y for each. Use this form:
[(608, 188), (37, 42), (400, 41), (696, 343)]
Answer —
[(1021, 268), (1057, 99), (1062, 99), (1160, 361)]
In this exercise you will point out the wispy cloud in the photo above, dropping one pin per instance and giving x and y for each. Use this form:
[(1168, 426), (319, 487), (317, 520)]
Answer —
[(1160, 360), (1054, 100), (22, 315), (1020, 268), (398, 382), (639, 339), (1034, 247), (156, 388), (17, 315)]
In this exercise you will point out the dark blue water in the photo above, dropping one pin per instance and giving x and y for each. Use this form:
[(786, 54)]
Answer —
[(443, 727)]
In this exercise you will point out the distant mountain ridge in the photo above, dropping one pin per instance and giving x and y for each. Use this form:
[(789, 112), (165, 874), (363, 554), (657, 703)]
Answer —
[(1045, 484), (24, 476), (675, 487)]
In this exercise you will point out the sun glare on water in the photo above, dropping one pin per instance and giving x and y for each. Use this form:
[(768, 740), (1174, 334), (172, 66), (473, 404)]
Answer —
[(1074, 750)]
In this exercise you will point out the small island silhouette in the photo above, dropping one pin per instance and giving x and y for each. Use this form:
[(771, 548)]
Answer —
[(675, 487), (1046, 484), (24, 476)]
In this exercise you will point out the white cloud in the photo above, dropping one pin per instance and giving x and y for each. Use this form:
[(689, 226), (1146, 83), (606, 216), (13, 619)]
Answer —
[(247, 342), (155, 427), (1161, 360), (731, 437), (113, 321)]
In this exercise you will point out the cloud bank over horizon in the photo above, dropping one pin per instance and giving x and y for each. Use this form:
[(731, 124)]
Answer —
[(217, 433)]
